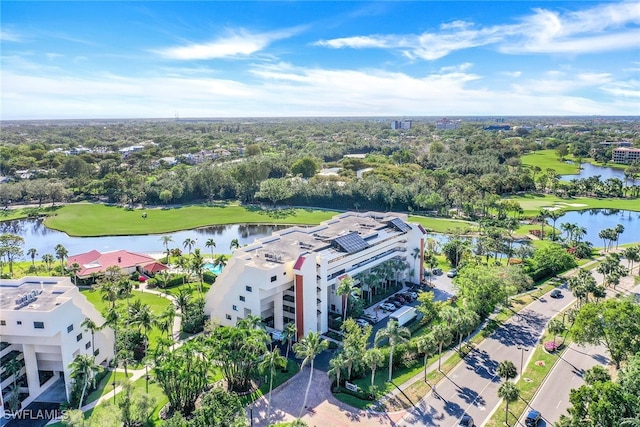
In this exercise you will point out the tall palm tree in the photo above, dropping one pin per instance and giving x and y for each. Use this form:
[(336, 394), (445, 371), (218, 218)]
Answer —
[(13, 367), (556, 327), (197, 266), (270, 361), (89, 324), (165, 242), (619, 230), (235, 244), (442, 335), (220, 261), (345, 288), (510, 393), (182, 301), (210, 243), (61, 254), (507, 370), (554, 215), (83, 369), (396, 334), (307, 349), (427, 344), (464, 324), (188, 244), (542, 218), (48, 260), (32, 252), (373, 358), (288, 334), (337, 364), (632, 254), (73, 272)]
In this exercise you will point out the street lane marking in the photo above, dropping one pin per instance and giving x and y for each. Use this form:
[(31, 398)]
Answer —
[(559, 402)]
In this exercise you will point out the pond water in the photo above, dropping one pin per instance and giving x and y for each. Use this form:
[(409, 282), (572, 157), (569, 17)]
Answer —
[(589, 170), (595, 220), (37, 236)]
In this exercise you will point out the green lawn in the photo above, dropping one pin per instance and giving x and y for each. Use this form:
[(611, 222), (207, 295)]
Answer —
[(88, 220), (442, 225), (105, 386), (531, 204), (546, 159)]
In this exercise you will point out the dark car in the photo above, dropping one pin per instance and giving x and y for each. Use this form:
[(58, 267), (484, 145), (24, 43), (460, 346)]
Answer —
[(533, 417), (466, 421), (555, 293)]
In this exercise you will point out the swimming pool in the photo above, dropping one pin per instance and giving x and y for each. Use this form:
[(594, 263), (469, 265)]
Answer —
[(215, 269)]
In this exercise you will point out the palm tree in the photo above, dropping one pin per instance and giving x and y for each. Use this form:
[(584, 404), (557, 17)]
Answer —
[(109, 292), (188, 244), (554, 215), (464, 324), (288, 334), (373, 358), (48, 260), (182, 264), (427, 344), (337, 364), (308, 348), (618, 230), (542, 218), (632, 254), (270, 361), (510, 393), (165, 242), (126, 356), (442, 335), (83, 369), (73, 272), (89, 324), (415, 254), (345, 288), (197, 265), (61, 254), (164, 321), (220, 261), (556, 327), (210, 243), (235, 244), (32, 252), (13, 367), (396, 334), (182, 301), (507, 370)]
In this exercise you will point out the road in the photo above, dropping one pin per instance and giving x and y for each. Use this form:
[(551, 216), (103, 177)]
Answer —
[(552, 399), (472, 386)]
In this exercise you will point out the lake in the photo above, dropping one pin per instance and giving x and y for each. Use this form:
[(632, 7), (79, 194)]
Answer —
[(36, 235), (589, 170), (595, 220)]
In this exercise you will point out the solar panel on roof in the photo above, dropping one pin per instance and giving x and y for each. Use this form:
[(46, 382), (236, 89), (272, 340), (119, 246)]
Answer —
[(400, 225), (351, 243)]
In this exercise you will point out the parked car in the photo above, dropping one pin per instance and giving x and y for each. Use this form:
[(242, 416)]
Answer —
[(369, 318), (361, 322), (399, 298), (452, 273), (387, 306), (436, 271), (466, 421), (533, 417), (395, 303), (556, 293)]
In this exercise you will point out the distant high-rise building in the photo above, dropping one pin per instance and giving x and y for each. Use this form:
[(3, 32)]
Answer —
[(446, 124), (401, 124), (626, 155)]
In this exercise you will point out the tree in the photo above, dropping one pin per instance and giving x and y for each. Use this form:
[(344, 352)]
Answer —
[(481, 288), (89, 324), (596, 374), (614, 323), (354, 345), (32, 252), (442, 335), (220, 408), (10, 248), (395, 334), (427, 345), (307, 349), (455, 251), (220, 261), (61, 254), (632, 254), (235, 244), (13, 368), (510, 393), (346, 286), (73, 272), (83, 370), (188, 244), (373, 358), (464, 324), (270, 361), (337, 364), (556, 327), (165, 242), (288, 334), (210, 244), (507, 370), (428, 307), (48, 260), (307, 167)]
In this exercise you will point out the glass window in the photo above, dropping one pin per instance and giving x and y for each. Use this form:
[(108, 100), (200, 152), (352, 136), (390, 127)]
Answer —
[(274, 278), (79, 337), (249, 288), (70, 328), (38, 325), (241, 298)]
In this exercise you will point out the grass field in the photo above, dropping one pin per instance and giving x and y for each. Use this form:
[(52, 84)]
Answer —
[(89, 220), (442, 225), (531, 204), (546, 159)]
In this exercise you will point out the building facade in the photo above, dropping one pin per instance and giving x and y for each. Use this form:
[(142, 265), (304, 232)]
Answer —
[(401, 124), (292, 276), (40, 328), (626, 155)]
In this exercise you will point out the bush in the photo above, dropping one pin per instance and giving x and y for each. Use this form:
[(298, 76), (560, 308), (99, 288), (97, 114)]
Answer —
[(152, 283), (361, 394), (209, 277)]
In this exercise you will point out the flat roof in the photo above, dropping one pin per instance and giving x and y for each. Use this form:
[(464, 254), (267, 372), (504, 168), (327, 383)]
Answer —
[(33, 293)]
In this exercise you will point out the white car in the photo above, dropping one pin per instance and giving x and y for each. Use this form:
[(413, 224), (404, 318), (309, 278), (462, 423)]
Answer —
[(362, 323), (388, 306)]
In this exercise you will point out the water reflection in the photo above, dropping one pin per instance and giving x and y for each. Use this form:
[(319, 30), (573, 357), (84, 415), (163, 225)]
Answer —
[(595, 220), (44, 240), (589, 170)]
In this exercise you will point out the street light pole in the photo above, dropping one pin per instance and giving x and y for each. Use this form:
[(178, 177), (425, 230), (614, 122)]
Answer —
[(522, 350)]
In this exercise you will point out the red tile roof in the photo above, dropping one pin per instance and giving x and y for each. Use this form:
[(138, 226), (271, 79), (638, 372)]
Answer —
[(155, 267), (96, 262)]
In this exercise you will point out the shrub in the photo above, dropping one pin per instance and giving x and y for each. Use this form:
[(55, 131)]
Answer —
[(208, 277)]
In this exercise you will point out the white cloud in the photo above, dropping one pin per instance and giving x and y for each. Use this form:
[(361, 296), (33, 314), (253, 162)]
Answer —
[(239, 43), (597, 29), (512, 74), (10, 36)]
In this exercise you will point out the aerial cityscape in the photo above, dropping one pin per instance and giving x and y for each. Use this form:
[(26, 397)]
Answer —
[(320, 214)]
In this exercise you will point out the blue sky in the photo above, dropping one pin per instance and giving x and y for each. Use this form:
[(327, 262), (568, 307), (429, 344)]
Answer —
[(311, 58)]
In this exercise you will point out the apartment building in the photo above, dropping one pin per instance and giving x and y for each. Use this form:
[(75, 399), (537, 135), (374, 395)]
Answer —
[(401, 124), (40, 327), (292, 275), (626, 155)]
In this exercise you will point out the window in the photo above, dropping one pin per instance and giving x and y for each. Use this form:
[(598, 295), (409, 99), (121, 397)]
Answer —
[(242, 298), (38, 325), (19, 322), (284, 274), (70, 328), (87, 345), (333, 307), (228, 316), (274, 278), (249, 288), (3, 323), (96, 352), (79, 337), (235, 308)]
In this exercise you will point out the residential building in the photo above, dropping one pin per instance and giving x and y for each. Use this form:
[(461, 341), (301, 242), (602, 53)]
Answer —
[(446, 124), (292, 276), (41, 328), (616, 143), (403, 125), (96, 263), (626, 155)]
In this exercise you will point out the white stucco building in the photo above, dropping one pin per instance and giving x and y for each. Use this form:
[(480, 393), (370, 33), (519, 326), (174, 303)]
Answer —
[(40, 326), (292, 276)]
